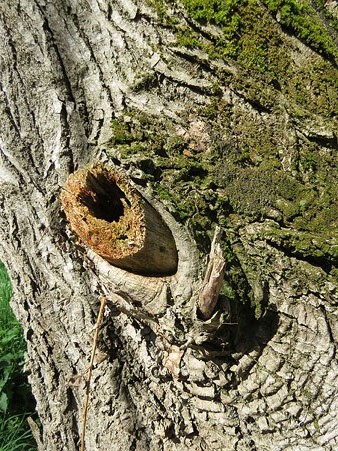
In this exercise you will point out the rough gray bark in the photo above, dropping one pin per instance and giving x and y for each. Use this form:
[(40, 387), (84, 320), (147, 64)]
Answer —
[(67, 69)]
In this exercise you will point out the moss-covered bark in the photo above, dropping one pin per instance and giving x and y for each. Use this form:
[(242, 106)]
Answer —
[(265, 145)]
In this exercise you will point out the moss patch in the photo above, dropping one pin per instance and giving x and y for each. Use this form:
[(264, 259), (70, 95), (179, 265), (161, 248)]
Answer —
[(267, 150)]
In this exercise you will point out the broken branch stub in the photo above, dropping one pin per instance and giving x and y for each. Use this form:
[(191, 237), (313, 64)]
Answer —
[(116, 222), (213, 279)]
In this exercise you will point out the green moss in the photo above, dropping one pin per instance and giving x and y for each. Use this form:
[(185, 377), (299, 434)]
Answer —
[(254, 191), (252, 37), (164, 194), (234, 17), (312, 87), (319, 249), (250, 191), (223, 14), (165, 18), (187, 38), (329, 15), (120, 132), (270, 153), (303, 19), (176, 144)]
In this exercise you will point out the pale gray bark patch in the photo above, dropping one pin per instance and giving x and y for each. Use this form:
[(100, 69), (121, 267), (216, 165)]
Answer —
[(67, 68)]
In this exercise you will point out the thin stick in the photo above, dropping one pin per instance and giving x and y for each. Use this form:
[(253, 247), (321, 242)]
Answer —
[(90, 369)]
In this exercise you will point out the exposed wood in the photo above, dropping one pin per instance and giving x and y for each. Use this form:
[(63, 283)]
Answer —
[(213, 279), (108, 215)]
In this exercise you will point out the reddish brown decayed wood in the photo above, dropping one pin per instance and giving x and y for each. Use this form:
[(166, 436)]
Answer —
[(114, 220)]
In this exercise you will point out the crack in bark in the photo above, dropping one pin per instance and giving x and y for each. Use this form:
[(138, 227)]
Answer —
[(54, 45)]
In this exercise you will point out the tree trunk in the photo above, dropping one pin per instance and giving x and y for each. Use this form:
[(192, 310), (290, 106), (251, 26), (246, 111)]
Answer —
[(204, 140)]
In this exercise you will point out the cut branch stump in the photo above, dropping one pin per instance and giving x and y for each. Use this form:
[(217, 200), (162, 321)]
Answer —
[(116, 222)]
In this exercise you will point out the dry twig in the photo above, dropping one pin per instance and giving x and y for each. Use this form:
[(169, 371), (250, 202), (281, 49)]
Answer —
[(90, 369)]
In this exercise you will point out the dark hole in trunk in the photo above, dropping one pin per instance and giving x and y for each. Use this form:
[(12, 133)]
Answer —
[(104, 198)]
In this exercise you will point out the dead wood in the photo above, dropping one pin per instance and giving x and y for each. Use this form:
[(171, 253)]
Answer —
[(113, 219), (213, 279)]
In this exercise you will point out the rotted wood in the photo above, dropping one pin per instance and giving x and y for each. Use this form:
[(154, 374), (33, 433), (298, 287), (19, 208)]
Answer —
[(213, 279), (117, 223)]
